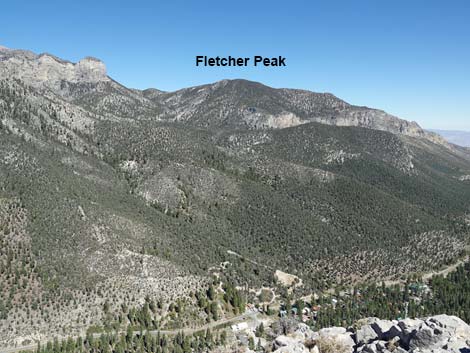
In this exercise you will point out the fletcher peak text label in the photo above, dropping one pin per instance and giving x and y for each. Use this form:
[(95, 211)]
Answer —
[(257, 60)]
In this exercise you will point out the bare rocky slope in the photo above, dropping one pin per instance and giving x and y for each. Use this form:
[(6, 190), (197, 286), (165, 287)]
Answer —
[(436, 334), (108, 192)]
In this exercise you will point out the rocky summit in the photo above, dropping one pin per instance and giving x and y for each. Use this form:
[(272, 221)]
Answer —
[(48, 70)]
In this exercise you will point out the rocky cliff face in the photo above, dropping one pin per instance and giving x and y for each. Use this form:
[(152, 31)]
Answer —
[(85, 84), (441, 333), (46, 70)]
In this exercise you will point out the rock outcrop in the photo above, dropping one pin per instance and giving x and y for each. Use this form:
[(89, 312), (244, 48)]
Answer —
[(436, 334), (46, 70)]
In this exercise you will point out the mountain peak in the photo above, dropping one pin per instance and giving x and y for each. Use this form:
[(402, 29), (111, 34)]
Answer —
[(91, 69), (242, 103), (47, 70)]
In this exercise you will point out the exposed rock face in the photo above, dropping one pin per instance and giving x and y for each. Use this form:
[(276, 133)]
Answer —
[(338, 335), (91, 69), (45, 70), (365, 335), (440, 333), (289, 344), (85, 84), (372, 119)]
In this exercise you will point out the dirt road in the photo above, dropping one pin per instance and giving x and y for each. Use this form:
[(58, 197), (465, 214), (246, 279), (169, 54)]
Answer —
[(187, 331)]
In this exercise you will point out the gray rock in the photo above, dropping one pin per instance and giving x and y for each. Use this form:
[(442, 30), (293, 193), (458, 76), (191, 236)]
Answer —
[(381, 345), (394, 332), (408, 325), (313, 336), (382, 327), (282, 341), (451, 324), (370, 348), (425, 338), (304, 331), (365, 334), (295, 348), (440, 333), (332, 331), (456, 344), (409, 328), (339, 334), (48, 70)]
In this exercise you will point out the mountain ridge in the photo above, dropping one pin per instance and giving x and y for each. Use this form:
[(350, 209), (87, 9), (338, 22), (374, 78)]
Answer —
[(249, 104)]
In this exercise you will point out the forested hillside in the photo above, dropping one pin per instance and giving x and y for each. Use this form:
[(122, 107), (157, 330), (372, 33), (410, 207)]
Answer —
[(112, 193)]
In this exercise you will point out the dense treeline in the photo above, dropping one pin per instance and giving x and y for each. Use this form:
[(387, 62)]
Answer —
[(143, 342), (451, 295), (443, 295)]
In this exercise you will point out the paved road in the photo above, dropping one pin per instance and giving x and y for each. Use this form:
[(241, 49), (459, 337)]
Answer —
[(187, 331)]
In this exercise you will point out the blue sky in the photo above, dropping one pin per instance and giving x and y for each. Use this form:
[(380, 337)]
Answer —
[(408, 57)]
